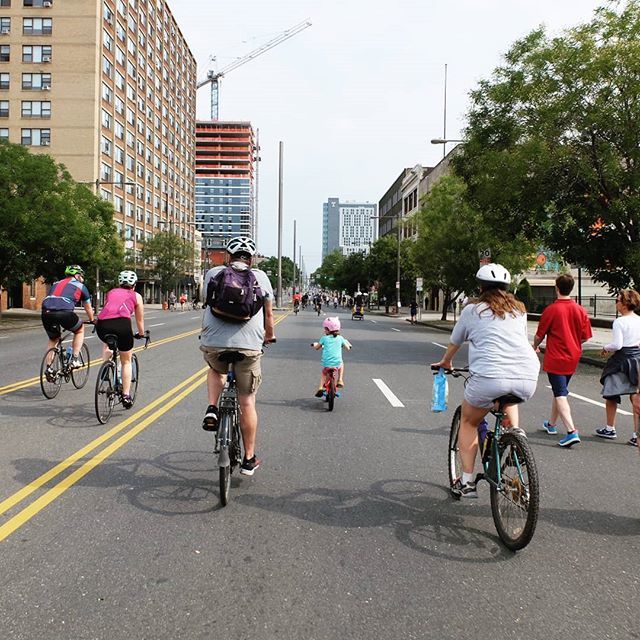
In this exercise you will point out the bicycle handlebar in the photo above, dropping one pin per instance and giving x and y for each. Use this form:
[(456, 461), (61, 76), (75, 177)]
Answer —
[(146, 336), (456, 372)]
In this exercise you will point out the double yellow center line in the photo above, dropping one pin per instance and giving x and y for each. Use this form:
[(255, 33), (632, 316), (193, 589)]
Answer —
[(152, 411)]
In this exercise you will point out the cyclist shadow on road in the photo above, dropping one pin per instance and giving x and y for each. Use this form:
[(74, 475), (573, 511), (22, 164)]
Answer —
[(21, 404), (421, 515)]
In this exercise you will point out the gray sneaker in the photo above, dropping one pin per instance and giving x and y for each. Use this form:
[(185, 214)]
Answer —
[(467, 490), (75, 363)]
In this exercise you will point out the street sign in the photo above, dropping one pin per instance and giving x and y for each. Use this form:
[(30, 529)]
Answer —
[(485, 257), (419, 284), (397, 285)]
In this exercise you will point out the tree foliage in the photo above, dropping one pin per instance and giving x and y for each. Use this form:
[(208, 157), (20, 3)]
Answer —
[(553, 143), (452, 234), (270, 267), (170, 258), (48, 221)]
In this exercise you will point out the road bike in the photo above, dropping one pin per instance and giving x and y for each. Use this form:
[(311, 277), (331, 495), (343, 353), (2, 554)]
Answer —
[(228, 447), (56, 367), (508, 466), (108, 392)]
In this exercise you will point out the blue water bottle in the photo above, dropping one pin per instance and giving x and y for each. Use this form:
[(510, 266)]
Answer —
[(69, 354), (483, 427), (440, 392)]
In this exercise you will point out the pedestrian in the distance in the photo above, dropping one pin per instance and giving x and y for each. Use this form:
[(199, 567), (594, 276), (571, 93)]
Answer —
[(620, 374), (565, 325), (414, 312)]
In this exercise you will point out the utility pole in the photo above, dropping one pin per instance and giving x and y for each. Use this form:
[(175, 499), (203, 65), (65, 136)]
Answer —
[(279, 293), (294, 256), (300, 268)]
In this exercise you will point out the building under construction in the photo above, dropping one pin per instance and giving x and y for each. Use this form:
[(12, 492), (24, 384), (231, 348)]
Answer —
[(225, 183)]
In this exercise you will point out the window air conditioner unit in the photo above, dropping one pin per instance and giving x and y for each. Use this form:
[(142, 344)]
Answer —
[(45, 87), (45, 143), (5, 31), (47, 3), (46, 58)]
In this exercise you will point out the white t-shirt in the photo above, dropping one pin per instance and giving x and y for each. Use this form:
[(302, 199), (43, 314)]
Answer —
[(625, 332), (498, 347)]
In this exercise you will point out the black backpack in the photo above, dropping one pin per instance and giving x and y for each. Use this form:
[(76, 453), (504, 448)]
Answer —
[(234, 295)]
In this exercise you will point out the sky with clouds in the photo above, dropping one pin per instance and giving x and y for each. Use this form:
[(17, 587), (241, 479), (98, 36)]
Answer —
[(359, 94)]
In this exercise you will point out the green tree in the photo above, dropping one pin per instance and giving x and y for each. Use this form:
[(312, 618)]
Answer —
[(170, 258), (452, 233), (271, 265), (553, 143), (327, 274), (47, 220)]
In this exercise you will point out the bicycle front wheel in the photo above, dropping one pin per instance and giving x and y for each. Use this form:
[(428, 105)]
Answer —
[(105, 394), (515, 496), (224, 433), (135, 376), (454, 460), (80, 376), (50, 382)]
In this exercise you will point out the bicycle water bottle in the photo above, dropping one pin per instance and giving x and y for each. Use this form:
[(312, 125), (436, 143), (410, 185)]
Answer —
[(440, 392), (483, 427), (68, 354)]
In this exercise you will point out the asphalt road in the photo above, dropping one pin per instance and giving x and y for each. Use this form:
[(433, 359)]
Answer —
[(346, 531)]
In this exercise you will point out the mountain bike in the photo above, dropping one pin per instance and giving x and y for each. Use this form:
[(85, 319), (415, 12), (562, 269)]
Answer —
[(56, 367), (108, 391), (508, 466), (228, 447)]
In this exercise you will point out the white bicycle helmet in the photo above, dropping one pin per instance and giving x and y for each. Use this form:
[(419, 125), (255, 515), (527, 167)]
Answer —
[(241, 244), (128, 277), (493, 276)]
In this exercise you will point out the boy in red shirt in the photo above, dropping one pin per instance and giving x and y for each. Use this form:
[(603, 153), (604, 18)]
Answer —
[(566, 326)]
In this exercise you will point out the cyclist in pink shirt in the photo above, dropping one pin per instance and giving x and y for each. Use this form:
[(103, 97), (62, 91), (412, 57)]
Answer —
[(115, 319)]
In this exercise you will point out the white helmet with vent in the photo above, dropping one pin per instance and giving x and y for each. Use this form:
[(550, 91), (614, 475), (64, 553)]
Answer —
[(128, 277), (493, 276), (241, 244)]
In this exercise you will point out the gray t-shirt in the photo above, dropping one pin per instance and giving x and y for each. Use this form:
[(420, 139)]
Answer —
[(498, 347), (235, 335)]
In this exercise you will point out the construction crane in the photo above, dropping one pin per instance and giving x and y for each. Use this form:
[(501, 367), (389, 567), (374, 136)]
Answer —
[(213, 77)]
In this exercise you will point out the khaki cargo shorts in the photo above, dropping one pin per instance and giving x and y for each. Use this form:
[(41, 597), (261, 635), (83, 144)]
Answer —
[(248, 372)]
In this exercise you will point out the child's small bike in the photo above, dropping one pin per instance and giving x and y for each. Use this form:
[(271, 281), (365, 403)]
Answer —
[(330, 390)]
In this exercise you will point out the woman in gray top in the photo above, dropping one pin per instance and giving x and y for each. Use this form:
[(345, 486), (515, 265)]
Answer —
[(501, 361)]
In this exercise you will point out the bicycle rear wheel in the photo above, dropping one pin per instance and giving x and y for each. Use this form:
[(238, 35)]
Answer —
[(331, 394), (135, 376), (50, 384), (224, 460), (105, 394), (515, 500), (454, 459), (80, 376)]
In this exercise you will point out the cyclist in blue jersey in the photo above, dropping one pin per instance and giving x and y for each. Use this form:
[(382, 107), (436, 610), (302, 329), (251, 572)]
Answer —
[(58, 310)]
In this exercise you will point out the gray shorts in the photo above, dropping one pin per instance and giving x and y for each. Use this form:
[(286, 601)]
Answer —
[(481, 392)]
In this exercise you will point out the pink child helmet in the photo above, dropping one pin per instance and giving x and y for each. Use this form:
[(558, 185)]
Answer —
[(332, 324)]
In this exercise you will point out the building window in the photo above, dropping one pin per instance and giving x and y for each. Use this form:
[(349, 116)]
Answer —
[(107, 67), (107, 41), (4, 134), (105, 145), (36, 81), (36, 109), (106, 119), (5, 53), (5, 3), (36, 53), (107, 93), (36, 137), (5, 25), (37, 3), (4, 108), (37, 26), (5, 80)]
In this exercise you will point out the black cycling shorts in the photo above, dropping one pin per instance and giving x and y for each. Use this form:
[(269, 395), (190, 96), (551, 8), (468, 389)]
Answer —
[(119, 327), (53, 320)]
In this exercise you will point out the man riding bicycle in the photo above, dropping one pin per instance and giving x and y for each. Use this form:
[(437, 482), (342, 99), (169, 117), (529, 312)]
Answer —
[(58, 310), (247, 337)]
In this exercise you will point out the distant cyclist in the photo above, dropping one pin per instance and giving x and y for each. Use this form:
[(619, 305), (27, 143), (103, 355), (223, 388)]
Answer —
[(58, 310), (115, 319)]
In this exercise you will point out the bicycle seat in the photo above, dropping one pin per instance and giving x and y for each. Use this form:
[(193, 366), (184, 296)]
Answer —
[(111, 341), (509, 398), (231, 356)]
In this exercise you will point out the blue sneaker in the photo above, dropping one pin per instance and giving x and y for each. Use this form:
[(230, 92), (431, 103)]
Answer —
[(605, 432), (570, 439), (551, 429)]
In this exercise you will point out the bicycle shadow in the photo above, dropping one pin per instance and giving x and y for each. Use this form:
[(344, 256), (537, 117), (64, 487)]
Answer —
[(56, 414)]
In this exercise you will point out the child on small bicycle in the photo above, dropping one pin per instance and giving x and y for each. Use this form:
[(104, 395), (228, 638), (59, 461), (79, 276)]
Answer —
[(331, 344)]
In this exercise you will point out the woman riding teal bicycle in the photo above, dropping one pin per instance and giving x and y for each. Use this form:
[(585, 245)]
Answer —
[(501, 362)]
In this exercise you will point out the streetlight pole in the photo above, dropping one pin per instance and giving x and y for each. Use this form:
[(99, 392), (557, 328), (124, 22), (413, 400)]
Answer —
[(294, 256), (279, 293)]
